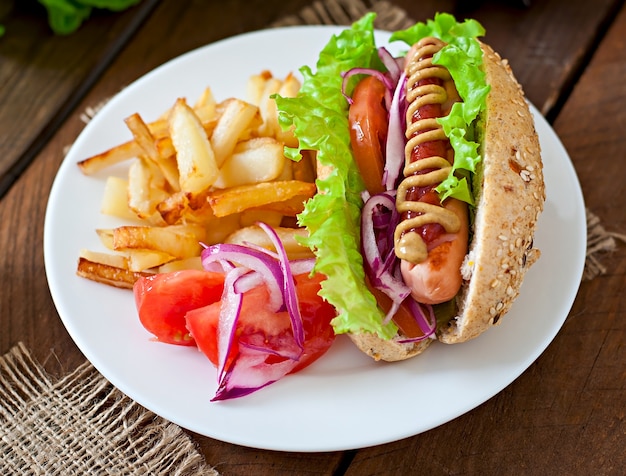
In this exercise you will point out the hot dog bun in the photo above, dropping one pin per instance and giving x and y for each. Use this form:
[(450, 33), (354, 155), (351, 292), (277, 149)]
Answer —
[(509, 200)]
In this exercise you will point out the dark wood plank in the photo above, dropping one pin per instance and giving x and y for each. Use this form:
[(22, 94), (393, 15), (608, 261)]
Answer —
[(44, 75)]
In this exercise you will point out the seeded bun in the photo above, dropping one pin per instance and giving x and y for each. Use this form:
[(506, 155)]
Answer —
[(509, 200)]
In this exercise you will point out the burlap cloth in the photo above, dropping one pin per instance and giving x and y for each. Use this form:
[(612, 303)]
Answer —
[(81, 424)]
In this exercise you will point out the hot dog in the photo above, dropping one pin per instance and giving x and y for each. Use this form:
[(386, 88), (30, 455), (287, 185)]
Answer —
[(438, 224)]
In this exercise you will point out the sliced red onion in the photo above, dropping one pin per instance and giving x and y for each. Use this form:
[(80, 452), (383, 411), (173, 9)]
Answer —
[(394, 65), (379, 266), (389, 85), (302, 266), (247, 267), (289, 287), (253, 259), (229, 315), (249, 372), (396, 139)]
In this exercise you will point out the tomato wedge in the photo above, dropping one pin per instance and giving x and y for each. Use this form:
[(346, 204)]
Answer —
[(257, 323), (368, 131), (163, 300)]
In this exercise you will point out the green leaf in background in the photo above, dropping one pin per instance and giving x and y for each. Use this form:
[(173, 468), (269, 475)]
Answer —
[(65, 16)]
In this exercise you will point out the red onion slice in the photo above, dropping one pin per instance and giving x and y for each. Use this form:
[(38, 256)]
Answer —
[(395, 66), (253, 259), (229, 315), (396, 139), (249, 373), (289, 288)]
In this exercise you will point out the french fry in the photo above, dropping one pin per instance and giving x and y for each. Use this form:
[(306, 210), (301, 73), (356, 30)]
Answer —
[(106, 237), (252, 216), (256, 160), (238, 199), (145, 190), (141, 260), (194, 154), (181, 264), (287, 208), (173, 207), (289, 89), (142, 135), (116, 155), (155, 148), (107, 274), (109, 259), (267, 107), (165, 239), (236, 117), (256, 86), (206, 107), (254, 234), (219, 228), (115, 199)]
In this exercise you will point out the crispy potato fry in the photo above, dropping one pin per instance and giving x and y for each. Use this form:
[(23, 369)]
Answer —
[(194, 154), (142, 135), (259, 91), (115, 199), (173, 207), (288, 208), (206, 107), (267, 107), (181, 264), (256, 86), (107, 274), (289, 89), (145, 190), (121, 153), (106, 237), (109, 259), (219, 228), (254, 215), (256, 160), (238, 199), (141, 260), (170, 240), (254, 234), (236, 117)]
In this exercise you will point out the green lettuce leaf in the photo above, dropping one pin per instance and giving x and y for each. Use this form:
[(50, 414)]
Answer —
[(462, 56), (320, 117)]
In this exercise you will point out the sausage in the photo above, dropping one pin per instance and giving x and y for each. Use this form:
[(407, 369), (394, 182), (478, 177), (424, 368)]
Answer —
[(431, 270), (438, 278)]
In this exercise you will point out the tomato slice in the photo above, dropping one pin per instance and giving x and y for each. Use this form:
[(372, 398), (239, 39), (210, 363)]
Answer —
[(163, 300), (368, 131)]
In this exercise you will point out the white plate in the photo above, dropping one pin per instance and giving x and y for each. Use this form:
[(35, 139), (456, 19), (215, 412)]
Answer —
[(345, 400)]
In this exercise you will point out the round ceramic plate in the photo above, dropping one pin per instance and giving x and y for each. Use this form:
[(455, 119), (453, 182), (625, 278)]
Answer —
[(345, 400)]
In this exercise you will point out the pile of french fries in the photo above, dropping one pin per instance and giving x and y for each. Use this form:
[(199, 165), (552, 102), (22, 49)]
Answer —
[(199, 174)]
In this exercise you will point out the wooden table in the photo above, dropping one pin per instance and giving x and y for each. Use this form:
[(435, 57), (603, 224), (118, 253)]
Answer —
[(564, 415)]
